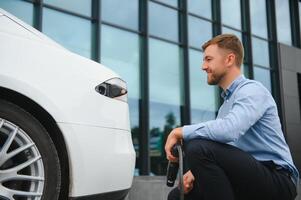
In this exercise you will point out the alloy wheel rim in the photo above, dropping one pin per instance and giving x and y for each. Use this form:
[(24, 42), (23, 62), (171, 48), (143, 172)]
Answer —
[(21, 166)]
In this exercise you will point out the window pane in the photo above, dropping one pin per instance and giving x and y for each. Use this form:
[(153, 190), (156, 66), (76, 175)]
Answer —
[(163, 22), (203, 97), (201, 8), (231, 31), (263, 76), (283, 22), (259, 18), (260, 52), (231, 13), (78, 6), (245, 70), (164, 70), (120, 52), (74, 33), (200, 31), (170, 2), (300, 19), (22, 10), (123, 13)]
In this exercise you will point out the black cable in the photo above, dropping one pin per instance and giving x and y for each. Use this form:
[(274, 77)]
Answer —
[(181, 172)]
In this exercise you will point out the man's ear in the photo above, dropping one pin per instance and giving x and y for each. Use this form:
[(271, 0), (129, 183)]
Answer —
[(230, 59)]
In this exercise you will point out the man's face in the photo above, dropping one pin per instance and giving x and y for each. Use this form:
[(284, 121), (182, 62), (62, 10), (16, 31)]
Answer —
[(214, 63)]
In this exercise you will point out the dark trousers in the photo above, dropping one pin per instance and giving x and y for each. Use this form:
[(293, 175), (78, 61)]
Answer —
[(224, 172)]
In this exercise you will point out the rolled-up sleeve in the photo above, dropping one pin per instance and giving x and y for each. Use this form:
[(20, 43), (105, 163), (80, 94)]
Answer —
[(248, 107)]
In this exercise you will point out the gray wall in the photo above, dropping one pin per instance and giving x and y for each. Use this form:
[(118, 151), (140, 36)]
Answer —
[(290, 65)]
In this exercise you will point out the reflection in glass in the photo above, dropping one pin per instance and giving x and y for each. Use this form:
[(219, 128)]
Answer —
[(199, 31), (163, 22), (20, 9), (164, 73), (263, 76), (258, 13), (78, 6), (201, 8), (74, 33), (231, 31), (231, 13), (283, 22), (123, 13), (170, 2), (164, 64), (204, 100), (260, 51)]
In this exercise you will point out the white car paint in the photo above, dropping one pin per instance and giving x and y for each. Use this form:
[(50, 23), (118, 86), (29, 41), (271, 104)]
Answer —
[(96, 128)]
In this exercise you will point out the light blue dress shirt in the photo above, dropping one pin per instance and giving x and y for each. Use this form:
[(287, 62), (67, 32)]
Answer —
[(248, 119)]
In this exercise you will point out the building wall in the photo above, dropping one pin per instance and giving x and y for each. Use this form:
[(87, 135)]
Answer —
[(290, 65)]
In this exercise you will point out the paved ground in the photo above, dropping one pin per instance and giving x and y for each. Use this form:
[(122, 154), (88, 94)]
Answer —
[(154, 188)]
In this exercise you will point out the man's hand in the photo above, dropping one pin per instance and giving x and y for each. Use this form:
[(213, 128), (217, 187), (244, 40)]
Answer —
[(188, 180), (174, 137)]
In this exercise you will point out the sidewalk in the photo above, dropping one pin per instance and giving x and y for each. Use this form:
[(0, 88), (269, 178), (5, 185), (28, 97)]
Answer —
[(154, 188)]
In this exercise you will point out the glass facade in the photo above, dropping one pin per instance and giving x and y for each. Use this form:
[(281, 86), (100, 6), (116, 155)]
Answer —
[(169, 2), (72, 32), (164, 58), (264, 76), (230, 13), (260, 50), (21, 9), (148, 39), (201, 8), (125, 12), (284, 32), (259, 18), (299, 6), (231, 17), (204, 98), (232, 31), (199, 31), (163, 22), (76, 6)]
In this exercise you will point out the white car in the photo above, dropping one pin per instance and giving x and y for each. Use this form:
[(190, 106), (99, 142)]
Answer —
[(64, 121)]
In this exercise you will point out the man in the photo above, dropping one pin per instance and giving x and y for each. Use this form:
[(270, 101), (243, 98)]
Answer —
[(241, 155)]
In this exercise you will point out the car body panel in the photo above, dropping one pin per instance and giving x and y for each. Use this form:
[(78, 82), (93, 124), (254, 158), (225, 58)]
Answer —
[(114, 166), (95, 128), (69, 92)]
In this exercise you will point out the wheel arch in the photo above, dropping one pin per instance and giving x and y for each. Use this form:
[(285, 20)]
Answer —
[(50, 125)]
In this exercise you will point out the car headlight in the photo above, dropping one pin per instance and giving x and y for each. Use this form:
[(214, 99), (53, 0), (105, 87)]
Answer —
[(114, 88)]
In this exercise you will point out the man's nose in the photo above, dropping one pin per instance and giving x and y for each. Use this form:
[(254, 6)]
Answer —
[(204, 66)]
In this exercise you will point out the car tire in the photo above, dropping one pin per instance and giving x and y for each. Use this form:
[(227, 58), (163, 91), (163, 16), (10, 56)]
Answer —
[(27, 150)]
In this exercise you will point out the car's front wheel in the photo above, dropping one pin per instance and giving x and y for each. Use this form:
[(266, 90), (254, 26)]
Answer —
[(29, 163)]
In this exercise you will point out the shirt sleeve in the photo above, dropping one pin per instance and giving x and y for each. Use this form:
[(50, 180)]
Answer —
[(248, 107)]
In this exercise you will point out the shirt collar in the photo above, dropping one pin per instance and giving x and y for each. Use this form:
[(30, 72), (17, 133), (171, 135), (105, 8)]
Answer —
[(226, 94)]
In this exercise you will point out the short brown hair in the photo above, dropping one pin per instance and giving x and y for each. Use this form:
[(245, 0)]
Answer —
[(228, 42)]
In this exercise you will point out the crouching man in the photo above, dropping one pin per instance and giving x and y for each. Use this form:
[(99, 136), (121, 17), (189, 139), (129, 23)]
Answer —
[(242, 154)]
